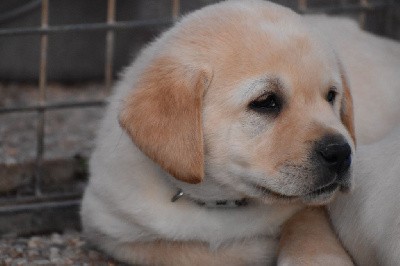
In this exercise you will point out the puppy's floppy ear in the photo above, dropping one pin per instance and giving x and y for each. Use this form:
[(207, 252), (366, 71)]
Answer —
[(163, 116), (346, 111)]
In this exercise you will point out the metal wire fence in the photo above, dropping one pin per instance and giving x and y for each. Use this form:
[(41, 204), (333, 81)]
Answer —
[(39, 202)]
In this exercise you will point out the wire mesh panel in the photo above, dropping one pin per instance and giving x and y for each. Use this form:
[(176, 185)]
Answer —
[(31, 197), (30, 201)]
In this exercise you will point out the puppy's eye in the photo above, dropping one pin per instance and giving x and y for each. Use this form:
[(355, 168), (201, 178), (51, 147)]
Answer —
[(266, 104), (330, 97)]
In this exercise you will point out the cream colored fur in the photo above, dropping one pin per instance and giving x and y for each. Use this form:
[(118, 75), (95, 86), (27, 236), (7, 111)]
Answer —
[(126, 209), (372, 65), (368, 219)]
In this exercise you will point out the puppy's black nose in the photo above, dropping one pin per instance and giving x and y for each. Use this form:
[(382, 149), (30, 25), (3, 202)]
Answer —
[(335, 153)]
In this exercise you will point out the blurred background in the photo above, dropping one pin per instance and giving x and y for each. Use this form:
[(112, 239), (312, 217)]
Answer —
[(58, 60)]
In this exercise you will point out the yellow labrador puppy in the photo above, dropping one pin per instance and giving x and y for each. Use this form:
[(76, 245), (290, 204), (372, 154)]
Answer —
[(221, 129)]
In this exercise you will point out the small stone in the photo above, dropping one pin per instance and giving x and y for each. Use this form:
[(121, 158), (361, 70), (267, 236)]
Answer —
[(93, 255), (8, 261), (56, 239), (68, 253), (19, 249), (76, 242), (54, 254), (19, 262), (34, 242), (33, 253), (15, 254), (41, 262), (68, 262)]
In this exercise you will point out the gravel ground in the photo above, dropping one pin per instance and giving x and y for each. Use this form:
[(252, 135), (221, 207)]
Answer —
[(68, 132), (55, 249)]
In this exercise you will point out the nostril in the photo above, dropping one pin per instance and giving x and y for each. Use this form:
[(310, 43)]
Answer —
[(329, 157)]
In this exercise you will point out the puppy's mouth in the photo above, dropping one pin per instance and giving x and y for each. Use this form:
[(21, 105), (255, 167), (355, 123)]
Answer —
[(269, 192), (319, 196)]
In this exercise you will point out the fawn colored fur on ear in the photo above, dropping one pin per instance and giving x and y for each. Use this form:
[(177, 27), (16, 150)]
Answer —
[(163, 117)]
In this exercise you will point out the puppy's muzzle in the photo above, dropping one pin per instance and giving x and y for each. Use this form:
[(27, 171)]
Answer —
[(333, 153)]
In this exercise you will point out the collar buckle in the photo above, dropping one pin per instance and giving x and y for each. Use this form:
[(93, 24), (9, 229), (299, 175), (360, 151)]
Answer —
[(177, 196)]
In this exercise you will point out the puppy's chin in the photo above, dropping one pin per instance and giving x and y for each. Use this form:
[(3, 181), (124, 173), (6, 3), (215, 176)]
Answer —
[(322, 195), (256, 187)]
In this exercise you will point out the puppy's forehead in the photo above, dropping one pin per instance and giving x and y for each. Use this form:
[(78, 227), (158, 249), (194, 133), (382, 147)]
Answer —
[(287, 50), (244, 40)]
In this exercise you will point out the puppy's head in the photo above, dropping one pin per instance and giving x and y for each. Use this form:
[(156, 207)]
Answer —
[(246, 95)]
